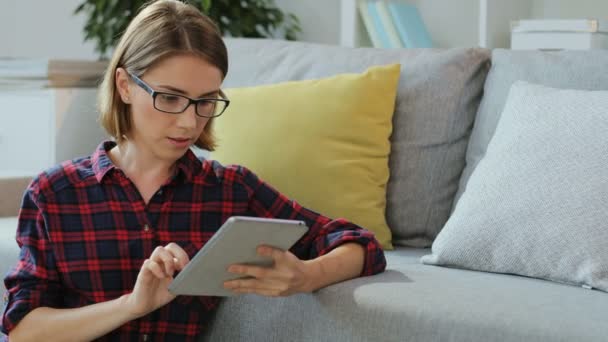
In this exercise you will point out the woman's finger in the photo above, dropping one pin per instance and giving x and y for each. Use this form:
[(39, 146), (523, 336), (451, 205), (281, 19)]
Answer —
[(255, 285), (242, 283), (153, 268), (262, 292), (164, 258), (252, 271), (276, 254), (179, 254)]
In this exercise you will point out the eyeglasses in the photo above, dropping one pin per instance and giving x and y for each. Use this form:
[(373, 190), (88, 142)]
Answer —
[(175, 104)]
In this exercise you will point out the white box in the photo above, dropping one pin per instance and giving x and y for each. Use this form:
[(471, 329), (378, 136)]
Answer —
[(548, 34), (42, 127), (48, 112), (27, 128)]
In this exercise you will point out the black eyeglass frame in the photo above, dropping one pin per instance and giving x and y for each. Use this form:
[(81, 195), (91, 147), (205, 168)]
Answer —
[(155, 93)]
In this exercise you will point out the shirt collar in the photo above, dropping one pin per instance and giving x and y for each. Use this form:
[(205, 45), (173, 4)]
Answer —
[(187, 165), (101, 161)]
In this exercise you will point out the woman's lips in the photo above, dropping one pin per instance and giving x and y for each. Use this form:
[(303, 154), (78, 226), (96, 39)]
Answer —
[(180, 142)]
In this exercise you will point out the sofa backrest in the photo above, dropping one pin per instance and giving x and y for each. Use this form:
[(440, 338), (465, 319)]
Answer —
[(438, 96), (584, 70)]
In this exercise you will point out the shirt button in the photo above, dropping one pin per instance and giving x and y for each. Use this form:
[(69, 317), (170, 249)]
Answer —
[(146, 228), (144, 337)]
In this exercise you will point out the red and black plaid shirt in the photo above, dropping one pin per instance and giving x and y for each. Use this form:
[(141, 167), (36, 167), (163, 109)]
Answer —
[(84, 232)]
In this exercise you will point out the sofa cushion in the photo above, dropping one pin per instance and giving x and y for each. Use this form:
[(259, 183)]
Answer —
[(324, 142), (439, 92), (9, 251), (12, 193), (415, 302), (563, 69), (536, 203)]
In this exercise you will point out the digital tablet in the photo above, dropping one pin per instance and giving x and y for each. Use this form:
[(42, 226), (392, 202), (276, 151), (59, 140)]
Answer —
[(235, 242)]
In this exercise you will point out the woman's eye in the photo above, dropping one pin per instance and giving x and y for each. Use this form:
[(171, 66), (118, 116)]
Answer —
[(169, 98)]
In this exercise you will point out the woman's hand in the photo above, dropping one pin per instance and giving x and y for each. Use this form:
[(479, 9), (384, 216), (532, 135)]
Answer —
[(151, 288), (287, 276)]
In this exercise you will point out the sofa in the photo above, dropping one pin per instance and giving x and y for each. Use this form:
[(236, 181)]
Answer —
[(441, 127)]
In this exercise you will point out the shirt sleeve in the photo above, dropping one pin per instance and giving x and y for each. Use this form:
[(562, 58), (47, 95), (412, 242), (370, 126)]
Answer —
[(324, 233), (34, 281)]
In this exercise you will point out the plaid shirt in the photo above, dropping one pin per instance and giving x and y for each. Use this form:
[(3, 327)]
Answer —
[(84, 232)]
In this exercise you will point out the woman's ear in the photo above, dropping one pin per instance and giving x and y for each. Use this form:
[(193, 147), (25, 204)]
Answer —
[(122, 85)]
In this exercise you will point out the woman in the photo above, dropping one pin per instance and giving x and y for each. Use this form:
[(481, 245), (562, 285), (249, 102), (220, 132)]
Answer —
[(101, 237)]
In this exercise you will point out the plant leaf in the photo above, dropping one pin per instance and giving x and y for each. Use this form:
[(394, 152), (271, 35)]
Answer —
[(108, 19)]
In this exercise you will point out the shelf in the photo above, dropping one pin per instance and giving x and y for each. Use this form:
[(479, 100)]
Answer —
[(466, 23)]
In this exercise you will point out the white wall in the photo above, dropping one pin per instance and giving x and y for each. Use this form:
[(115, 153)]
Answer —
[(48, 29), (450, 23), (455, 23), (569, 9), (320, 19), (41, 28), (495, 23), (6, 21)]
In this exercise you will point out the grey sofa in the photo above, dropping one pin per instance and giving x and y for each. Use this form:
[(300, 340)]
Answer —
[(440, 95)]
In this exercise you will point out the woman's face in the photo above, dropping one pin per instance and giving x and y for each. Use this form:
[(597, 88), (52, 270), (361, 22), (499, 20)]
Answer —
[(168, 136)]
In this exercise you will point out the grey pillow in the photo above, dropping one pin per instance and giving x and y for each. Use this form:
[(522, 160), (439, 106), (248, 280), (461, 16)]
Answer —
[(438, 96), (583, 70), (536, 203)]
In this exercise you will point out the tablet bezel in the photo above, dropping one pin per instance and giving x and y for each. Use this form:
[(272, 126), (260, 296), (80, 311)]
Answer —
[(235, 242)]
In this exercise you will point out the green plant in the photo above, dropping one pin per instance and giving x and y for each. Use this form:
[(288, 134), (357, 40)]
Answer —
[(107, 19)]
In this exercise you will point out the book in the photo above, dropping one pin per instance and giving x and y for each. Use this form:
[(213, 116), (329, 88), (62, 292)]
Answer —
[(559, 34), (378, 25), (41, 72), (75, 73), (558, 41), (560, 25), (23, 67), (409, 24), (388, 25), (368, 23)]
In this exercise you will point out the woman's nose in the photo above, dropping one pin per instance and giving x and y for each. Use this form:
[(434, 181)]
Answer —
[(188, 118)]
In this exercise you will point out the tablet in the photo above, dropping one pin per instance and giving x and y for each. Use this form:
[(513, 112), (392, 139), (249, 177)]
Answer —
[(235, 242)]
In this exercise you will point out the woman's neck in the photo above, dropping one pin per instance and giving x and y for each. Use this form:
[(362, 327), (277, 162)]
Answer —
[(141, 164)]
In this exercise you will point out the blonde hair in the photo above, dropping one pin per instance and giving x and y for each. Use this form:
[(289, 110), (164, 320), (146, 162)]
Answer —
[(161, 29)]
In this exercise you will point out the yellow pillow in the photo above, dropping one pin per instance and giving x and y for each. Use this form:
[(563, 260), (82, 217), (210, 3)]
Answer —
[(324, 143)]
